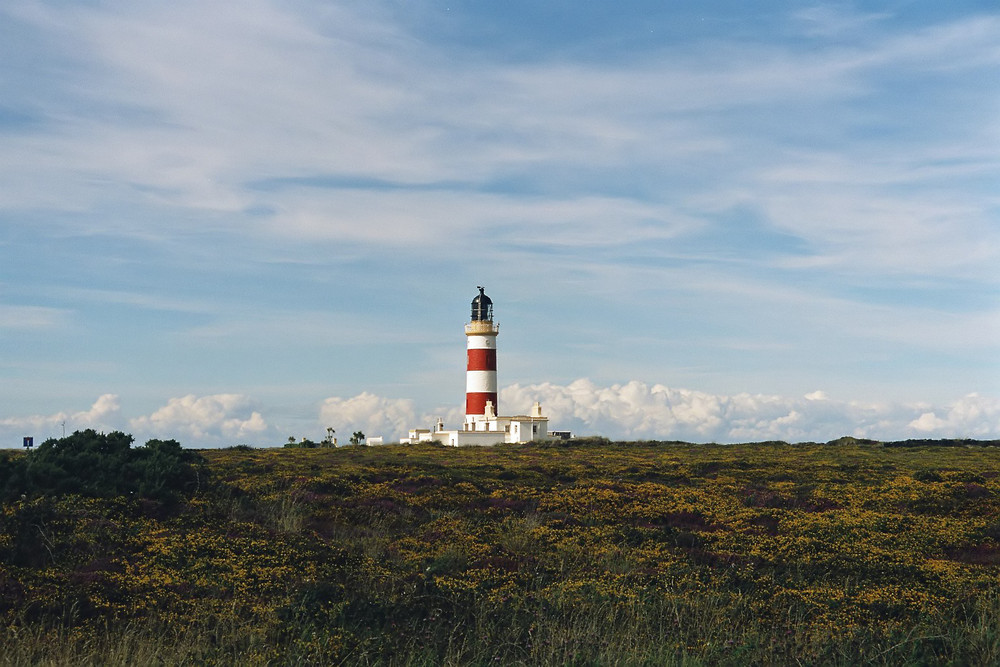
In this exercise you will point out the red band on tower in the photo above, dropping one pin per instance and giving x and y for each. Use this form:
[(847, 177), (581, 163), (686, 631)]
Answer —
[(475, 402), (482, 360)]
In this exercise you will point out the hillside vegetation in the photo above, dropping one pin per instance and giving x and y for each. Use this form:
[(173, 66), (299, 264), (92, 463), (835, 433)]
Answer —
[(579, 553)]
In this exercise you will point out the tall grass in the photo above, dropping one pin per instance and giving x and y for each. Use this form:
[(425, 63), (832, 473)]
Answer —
[(646, 554)]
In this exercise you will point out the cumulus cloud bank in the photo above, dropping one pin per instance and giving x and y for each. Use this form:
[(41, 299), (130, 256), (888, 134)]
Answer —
[(373, 415), (103, 415), (208, 418), (631, 411), (206, 421), (637, 410)]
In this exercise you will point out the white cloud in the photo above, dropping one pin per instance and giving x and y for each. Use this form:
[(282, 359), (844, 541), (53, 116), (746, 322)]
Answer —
[(103, 415), (630, 411), (636, 410), (858, 226), (31, 317), (972, 415), (826, 20), (221, 101), (220, 419), (446, 218), (869, 148), (105, 408), (373, 415), (927, 422)]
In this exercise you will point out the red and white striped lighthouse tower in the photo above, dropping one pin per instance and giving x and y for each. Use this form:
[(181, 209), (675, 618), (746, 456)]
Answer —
[(481, 373)]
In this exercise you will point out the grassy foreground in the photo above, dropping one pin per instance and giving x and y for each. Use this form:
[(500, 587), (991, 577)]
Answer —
[(592, 553)]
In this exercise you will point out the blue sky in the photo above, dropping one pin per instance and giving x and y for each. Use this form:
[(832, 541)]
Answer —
[(235, 222)]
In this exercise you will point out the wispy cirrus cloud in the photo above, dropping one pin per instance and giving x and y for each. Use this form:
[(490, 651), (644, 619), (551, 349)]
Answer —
[(209, 119), (805, 193), (32, 317)]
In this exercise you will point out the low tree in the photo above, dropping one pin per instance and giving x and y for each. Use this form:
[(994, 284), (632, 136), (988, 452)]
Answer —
[(305, 443), (101, 465), (358, 438)]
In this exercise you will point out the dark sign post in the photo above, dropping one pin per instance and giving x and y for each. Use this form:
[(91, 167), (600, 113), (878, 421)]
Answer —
[(29, 442)]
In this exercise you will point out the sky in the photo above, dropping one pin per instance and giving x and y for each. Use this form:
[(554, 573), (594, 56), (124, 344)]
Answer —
[(239, 222)]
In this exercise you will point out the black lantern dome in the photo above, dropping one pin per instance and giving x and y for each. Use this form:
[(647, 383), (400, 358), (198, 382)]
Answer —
[(482, 307)]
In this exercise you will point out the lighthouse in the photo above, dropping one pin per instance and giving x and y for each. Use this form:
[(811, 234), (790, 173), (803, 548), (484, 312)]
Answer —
[(483, 424), (481, 370)]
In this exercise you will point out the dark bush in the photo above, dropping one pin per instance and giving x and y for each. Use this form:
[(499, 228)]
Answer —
[(305, 443), (94, 464)]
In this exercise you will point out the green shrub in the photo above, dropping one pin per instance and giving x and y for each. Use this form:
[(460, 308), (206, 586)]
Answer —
[(101, 465), (927, 476)]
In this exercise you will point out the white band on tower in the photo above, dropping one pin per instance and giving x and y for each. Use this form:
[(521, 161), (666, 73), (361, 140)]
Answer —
[(481, 382)]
